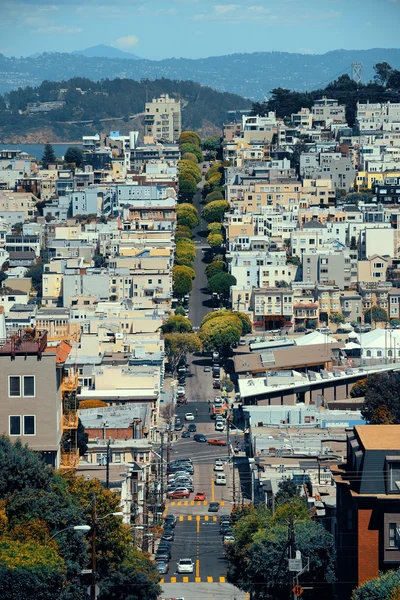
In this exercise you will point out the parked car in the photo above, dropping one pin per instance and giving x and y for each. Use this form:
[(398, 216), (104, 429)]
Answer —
[(324, 330), (162, 567), (180, 390), (168, 536), (163, 555), (219, 426), (170, 519), (179, 493), (229, 539), (213, 507), (216, 384), (192, 428), (216, 442), (179, 427), (185, 565), (185, 434), (199, 437), (200, 496), (207, 369), (300, 330), (182, 400)]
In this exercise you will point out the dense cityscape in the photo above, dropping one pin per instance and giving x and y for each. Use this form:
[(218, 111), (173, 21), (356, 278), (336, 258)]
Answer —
[(200, 337)]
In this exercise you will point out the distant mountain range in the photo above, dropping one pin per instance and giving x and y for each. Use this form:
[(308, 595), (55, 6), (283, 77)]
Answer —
[(248, 75), (103, 51)]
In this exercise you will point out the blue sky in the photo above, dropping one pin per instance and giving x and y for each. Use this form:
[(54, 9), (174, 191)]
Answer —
[(159, 29)]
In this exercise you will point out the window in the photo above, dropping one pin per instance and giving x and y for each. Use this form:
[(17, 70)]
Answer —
[(394, 476), (392, 535), (15, 425), (14, 386), (29, 425), (29, 386)]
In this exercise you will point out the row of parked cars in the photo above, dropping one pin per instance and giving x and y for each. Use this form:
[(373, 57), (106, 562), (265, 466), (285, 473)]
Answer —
[(163, 553)]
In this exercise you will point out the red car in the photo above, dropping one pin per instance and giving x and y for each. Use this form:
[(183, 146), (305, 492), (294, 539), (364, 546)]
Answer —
[(215, 442), (200, 496), (179, 493)]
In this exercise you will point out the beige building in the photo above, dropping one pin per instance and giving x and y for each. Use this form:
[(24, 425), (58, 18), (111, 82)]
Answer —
[(162, 121), (288, 195), (373, 269), (19, 202)]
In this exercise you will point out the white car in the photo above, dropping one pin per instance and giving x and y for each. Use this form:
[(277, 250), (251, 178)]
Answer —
[(219, 426), (218, 467), (189, 417), (180, 390), (185, 565)]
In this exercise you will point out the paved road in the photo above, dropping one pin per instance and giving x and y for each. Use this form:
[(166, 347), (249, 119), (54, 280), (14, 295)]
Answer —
[(203, 591)]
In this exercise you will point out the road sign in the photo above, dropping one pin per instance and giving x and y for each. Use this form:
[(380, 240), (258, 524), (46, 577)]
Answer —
[(295, 564), (97, 590), (298, 590)]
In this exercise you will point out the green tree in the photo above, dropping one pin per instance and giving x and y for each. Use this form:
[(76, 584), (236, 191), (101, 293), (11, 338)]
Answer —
[(212, 144), (188, 219), (180, 311), (185, 249), (74, 155), (214, 227), (187, 167), (379, 315), (214, 268), (182, 279), (213, 196), (36, 272), (384, 587), (382, 390), (214, 211), (177, 324), (287, 490), (215, 240), (29, 570), (190, 156), (359, 389), (383, 72), (353, 243), (221, 283), (130, 582), (192, 149), (337, 318), (187, 190), (48, 156), (178, 345), (189, 137), (220, 330)]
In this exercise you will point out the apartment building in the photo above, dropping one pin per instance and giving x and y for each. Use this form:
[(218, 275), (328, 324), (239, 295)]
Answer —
[(287, 195), (373, 269), (335, 166), (327, 111), (259, 269), (17, 207), (162, 120), (368, 500), (339, 267), (328, 298), (268, 308), (371, 117), (375, 294)]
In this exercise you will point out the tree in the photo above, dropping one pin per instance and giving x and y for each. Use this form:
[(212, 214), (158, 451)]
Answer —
[(180, 311), (48, 156), (187, 190), (214, 227), (189, 137), (220, 330), (182, 277), (188, 219), (74, 155), (214, 211), (381, 398), (192, 149), (383, 72), (85, 404), (336, 318), (281, 283), (213, 196), (212, 144), (221, 283), (177, 324), (379, 315), (178, 345), (214, 268), (36, 272), (190, 156), (128, 583), (359, 389), (384, 587), (215, 240), (287, 490), (185, 249), (353, 243)]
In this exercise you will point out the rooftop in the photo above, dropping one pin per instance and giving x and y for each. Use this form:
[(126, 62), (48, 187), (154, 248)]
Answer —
[(379, 437)]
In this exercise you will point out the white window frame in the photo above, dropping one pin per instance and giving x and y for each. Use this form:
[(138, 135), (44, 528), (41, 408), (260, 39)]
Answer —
[(34, 426), (9, 425), (22, 386)]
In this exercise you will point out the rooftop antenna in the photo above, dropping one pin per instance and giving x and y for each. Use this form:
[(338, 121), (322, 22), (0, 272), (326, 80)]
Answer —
[(357, 72)]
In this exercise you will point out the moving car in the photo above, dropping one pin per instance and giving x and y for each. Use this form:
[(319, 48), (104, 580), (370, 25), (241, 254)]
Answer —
[(179, 493), (213, 507), (192, 428), (219, 426), (199, 437), (207, 369), (179, 427), (189, 417), (229, 539), (170, 519), (220, 479), (200, 496), (180, 390), (162, 567), (163, 555), (185, 565), (219, 465), (168, 536), (186, 434), (216, 442)]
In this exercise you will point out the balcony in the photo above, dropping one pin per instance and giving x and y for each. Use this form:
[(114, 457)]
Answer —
[(69, 384), (31, 342), (69, 460), (70, 420)]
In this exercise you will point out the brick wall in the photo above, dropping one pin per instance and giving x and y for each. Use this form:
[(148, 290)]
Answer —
[(368, 546), (116, 434)]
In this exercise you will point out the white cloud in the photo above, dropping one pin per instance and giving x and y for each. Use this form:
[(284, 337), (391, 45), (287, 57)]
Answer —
[(126, 42), (237, 13), (57, 30), (222, 9)]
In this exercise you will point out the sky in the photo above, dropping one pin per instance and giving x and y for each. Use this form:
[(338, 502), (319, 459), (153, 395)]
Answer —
[(158, 29)]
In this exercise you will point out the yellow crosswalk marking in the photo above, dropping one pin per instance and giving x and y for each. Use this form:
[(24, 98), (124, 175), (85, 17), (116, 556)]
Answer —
[(222, 579), (206, 517), (197, 517), (173, 579), (179, 503), (185, 579), (205, 503), (222, 503), (173, 503), (192, 503), (186, 502), (161, 581), (189, 517), (209, 579), (181, 518), (196, 580), (214, 519)]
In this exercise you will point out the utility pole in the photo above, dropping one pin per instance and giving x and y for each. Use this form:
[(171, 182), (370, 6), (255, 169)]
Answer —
[(93, 592), (162, 469), (108, 465), (145, 513)]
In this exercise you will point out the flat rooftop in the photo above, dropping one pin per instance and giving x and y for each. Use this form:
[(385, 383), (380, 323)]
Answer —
[(379, 437)]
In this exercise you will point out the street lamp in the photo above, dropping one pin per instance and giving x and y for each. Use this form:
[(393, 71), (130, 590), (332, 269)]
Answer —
[(85, 528)]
